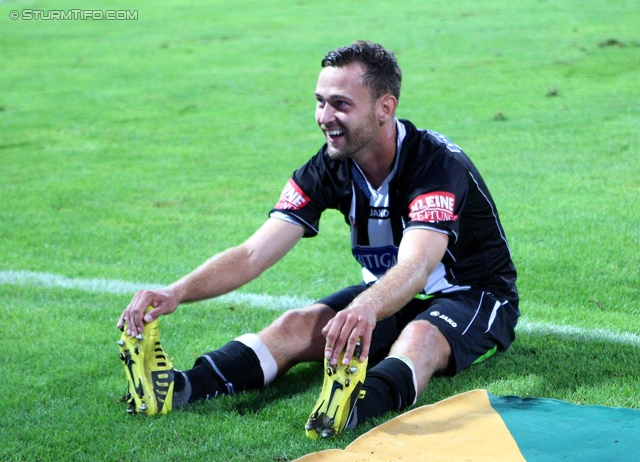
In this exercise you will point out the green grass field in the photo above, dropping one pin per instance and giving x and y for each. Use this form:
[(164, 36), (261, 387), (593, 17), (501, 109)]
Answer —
[(132, 150)]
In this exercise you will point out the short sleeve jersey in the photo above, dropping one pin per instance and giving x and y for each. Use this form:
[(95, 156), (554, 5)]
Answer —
[(433, 185)]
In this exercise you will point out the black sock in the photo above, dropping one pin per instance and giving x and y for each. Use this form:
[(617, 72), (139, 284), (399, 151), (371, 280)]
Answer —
[(389, 387), (178, 382), (181, 390), (232, 368)]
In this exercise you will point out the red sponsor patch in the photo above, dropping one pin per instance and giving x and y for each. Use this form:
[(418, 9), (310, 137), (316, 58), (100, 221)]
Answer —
[(292, 197), (433, 207)]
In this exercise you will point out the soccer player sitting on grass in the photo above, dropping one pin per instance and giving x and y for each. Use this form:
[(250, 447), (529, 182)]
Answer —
[(438, 291)]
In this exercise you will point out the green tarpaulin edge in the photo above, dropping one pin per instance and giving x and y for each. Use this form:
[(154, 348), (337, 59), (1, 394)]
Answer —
[(553, 430)]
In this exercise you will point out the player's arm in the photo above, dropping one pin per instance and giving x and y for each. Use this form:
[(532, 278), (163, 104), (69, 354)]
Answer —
[(217, 276), (419, 253)]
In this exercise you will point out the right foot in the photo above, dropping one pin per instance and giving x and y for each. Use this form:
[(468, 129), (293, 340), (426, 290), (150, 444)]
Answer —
[(149, 372), (340, 391)]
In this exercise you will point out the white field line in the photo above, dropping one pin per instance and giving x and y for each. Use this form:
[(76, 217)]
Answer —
[(283, 302), (114, 286), (578, 333)]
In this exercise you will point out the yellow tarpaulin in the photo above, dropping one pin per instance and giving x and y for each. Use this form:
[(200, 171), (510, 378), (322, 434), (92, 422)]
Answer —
[(462, 428)]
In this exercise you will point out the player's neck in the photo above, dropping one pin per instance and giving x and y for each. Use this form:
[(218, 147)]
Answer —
[(376, 161)]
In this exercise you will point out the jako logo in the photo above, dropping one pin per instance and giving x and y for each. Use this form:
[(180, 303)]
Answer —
[(445, 318), (379, 212)]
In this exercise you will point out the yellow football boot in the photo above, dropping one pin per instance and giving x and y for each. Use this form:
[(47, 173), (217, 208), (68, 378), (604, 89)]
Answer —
[(341, 389), (149, 371)]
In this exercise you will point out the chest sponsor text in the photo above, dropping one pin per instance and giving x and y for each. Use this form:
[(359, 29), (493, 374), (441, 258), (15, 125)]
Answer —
[(376, 259)]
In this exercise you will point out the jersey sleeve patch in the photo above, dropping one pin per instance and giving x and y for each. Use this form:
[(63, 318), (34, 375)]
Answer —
[(292, 197), (433, 207)]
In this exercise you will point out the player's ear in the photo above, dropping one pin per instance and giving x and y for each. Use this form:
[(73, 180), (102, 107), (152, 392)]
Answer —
[(387, 105)]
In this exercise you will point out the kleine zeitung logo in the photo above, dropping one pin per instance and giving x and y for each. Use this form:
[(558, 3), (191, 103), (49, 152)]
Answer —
[(292, 197), (433, 207)]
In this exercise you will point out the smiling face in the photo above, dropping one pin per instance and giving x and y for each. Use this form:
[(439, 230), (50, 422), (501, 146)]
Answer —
[(345, 111)]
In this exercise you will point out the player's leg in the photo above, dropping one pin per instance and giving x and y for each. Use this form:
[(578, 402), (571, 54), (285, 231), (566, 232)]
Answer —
[(255, 360), (427, 350), (252, 361), (453, 332)]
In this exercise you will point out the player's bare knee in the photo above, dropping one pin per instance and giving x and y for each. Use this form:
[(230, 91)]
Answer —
[(422, 329), (287, 324), (301, 324), (421, 336)]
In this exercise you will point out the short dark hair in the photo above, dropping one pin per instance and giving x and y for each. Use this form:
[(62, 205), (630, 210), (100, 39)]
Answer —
[(382, 74)]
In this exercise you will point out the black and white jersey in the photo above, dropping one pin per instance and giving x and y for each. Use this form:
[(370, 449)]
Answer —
[(433, 185)]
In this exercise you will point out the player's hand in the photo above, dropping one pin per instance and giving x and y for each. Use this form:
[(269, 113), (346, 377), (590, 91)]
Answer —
[(134, 317), (343, 331)]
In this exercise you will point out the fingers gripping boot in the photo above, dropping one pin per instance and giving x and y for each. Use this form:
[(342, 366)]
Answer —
[(150, 374), (341, 389)]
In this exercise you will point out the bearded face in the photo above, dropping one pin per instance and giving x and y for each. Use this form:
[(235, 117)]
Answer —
[(345, 111)]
